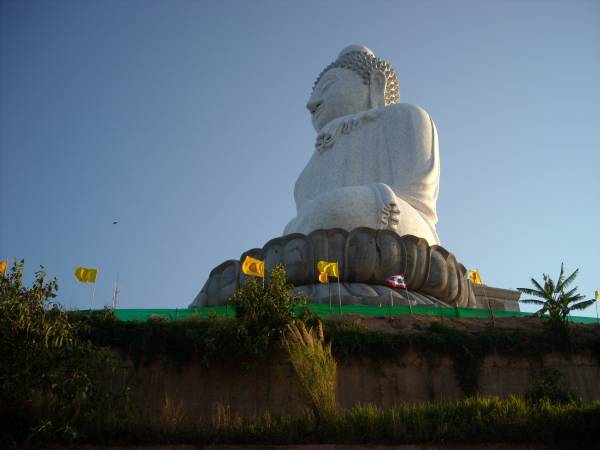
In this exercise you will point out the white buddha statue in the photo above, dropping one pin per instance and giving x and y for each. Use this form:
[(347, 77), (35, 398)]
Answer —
[(376, 161)]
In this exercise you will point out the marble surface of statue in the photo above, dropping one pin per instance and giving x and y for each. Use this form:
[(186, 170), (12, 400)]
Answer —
[(376, 161), (366, 200)]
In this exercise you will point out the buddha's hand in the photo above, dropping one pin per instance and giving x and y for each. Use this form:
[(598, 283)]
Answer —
[(387, 204), (389, 216)]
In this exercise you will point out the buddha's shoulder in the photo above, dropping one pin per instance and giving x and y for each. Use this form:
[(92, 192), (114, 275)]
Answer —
[(397, 116), (402, 111), (401, 116)]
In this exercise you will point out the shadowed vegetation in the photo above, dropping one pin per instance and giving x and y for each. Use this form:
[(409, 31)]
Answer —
[(52, 381), (473, 420)]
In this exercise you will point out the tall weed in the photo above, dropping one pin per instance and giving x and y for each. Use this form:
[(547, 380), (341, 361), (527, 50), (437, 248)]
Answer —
[(315, 367)]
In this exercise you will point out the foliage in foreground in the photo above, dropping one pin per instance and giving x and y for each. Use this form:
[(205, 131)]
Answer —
[(551, 386), (266, 307), (315, 367), (51, 381), (553, 299), (471, 420)]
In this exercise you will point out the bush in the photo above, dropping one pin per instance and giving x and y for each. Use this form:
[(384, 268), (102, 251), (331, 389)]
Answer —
[(266, 309), (51, 381), (550, 386)]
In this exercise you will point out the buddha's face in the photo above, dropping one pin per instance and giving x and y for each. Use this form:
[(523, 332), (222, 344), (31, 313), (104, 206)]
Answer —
[(338, 93)]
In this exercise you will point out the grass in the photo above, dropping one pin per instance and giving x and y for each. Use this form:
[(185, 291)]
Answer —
[(471, 420)]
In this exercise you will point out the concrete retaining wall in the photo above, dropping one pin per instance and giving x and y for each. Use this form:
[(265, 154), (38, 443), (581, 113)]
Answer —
[(271, 386)]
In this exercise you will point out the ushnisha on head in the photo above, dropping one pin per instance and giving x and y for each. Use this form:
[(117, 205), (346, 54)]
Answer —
[(356, 81)]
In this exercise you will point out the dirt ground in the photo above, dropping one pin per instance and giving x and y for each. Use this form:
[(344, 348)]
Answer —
[(419, 324)]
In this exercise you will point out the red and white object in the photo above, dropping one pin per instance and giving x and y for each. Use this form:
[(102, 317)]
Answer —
[(396, 281)]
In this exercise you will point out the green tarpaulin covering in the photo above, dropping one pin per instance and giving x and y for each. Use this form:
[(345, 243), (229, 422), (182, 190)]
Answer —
[(324, 311)]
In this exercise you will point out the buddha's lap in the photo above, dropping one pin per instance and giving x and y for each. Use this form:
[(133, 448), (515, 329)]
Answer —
[(372, 206)]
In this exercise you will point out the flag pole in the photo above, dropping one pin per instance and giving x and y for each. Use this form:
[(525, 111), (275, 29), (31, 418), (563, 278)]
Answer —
[(114, 300), (491, 312), (487, 298), (340, 294), (329, 288), (116, 293), (93, 292), (339, 288)]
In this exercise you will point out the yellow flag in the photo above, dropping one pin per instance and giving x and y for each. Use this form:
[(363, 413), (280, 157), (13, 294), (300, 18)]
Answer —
[(85, 274), (323, 278), (475, 277), (329, 268), (597, 294), (254, 267), (3, 266)]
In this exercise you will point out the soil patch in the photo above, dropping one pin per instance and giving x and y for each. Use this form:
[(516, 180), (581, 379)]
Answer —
[(420, 324)]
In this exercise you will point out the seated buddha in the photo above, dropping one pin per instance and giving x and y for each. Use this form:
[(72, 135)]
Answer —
[(376, 161), (366, 199)]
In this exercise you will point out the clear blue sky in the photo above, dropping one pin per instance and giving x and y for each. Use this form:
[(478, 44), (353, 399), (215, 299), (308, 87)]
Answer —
[(185, 122)]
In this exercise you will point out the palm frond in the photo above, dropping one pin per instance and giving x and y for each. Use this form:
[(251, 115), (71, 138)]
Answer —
[(571, 292), (550, 286), (573, 299), (583, 305), (532, 301), (569, 280), (533, 292), (537, 285), (561, 276)]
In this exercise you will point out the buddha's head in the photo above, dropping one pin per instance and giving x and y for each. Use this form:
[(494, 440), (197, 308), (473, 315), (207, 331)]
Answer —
[(356, 81)]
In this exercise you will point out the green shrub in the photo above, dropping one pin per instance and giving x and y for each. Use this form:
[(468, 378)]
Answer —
[(171, 342), (551, 386), (265, 309), (51, 381)]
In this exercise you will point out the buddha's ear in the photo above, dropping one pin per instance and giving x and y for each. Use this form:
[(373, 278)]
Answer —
[(377, 84)]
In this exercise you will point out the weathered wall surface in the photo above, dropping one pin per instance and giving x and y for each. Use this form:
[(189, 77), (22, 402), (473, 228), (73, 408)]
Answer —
[(271, 386)]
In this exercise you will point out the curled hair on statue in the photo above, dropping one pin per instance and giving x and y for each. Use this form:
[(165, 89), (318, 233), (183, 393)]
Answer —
[(363, 62)]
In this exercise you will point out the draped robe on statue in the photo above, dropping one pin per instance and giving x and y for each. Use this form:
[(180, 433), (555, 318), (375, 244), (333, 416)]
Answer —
[(378, 169)]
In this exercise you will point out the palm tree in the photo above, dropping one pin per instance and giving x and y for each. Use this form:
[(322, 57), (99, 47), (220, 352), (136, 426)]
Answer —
[(553, 298)]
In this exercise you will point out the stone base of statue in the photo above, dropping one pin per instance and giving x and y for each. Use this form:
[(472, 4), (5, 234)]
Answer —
[(495, 298), (366, 257)]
